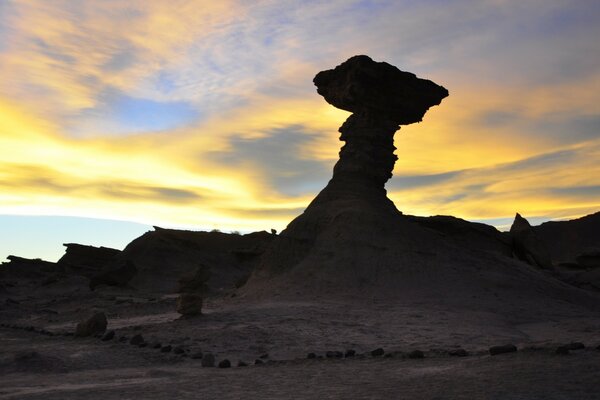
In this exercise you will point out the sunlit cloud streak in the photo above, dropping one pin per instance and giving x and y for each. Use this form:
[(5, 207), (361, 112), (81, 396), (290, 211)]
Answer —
[(203, 114)]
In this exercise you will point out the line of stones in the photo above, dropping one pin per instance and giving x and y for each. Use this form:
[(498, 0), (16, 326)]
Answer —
[(208, 359)]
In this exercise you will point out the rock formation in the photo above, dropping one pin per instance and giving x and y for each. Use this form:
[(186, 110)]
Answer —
[(86, 260), (163, 256), (565, 240), (526, 244), (92, 326), (351, 241), (192, 289), (381, 98)]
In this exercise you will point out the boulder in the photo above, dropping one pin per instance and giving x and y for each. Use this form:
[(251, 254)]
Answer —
[(225, 363), (108, 336), (377, 352), (507, 348), (527, 246), (92, 326), (137, 340), (189, 304)]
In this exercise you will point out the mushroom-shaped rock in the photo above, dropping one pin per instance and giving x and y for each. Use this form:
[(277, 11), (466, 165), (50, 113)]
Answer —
[(381, 97), (361, 85), (354, 207)]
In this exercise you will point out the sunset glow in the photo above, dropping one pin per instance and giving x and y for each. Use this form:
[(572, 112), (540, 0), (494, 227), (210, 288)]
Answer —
[(203, 115)]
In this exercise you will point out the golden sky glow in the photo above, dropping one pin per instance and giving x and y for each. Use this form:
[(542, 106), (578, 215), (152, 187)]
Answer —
[(202, 114)]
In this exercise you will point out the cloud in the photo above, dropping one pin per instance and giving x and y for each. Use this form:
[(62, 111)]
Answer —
[(204, 114)]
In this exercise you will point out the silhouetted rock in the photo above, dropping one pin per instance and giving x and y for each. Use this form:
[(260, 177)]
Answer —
[(178, 350), (507, 348), (189, 304), (163, 256), (350, 353), (458, 353), (208, 360), (381, 97), (589, 259), (193, 288), (92, 326), (87, 260), (565, 240), (311, 355), (527, 246), (416, 354), (136, 340), (166, 349), (334, 354), (27, 269), (108, 336), (225, 363), (116, 274), (242, 364), (575, 346), (467, 235), (377, 352)]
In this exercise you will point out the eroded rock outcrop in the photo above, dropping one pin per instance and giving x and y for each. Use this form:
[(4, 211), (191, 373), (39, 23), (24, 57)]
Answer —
[(526, 244), (86, 260), (381, 98), (192, 289)]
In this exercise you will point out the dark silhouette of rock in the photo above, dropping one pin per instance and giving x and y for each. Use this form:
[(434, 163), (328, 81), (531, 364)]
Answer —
[(565, 240), (136, 340), (92, 326), (311, 355), (193, 288), (575, 346), (467, 235), (527, 246), (258, 361), (507, 348), (108, 336), (116, 274), (350, 353), (225, 363), (415, 354), (562, 350), (178, 350), (86, 260), (163, 256), (242, 364), (166, 349), (377, 352), (33, 270), (334, 354), (589, 259), (208, 360), (381, 97), (458, 353)]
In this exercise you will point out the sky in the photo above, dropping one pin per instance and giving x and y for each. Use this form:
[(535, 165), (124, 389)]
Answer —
[(119, 115)]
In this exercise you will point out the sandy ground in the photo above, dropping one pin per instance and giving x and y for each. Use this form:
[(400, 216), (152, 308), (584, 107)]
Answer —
[(89, 369), (64, 367)]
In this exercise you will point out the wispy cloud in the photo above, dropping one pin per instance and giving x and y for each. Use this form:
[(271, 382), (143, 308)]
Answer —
[(204, 114)]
